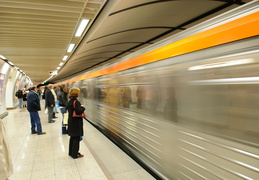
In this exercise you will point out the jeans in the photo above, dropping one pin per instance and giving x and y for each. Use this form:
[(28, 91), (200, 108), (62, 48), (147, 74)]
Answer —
[(35, 122), (20, 102)]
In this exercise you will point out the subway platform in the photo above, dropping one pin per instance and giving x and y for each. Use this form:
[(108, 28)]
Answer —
[(38, 157)]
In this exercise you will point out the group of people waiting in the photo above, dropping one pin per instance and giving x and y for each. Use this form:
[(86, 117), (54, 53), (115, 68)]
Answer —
[(73, 107), (75, 124)]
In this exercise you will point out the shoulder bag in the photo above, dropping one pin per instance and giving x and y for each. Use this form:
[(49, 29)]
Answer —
[(74, 112)]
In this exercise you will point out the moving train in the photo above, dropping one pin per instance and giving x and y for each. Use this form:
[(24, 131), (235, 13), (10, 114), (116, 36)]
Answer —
[(186, 107)]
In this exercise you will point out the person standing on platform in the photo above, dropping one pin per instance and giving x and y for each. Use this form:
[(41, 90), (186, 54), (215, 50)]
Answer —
[(75, 124), (6, 167), (55, 110), (39, 92), (50, 102), (33, 106), (63, 101), (19, 95), (24, 98), (44, 92), (62, 98)]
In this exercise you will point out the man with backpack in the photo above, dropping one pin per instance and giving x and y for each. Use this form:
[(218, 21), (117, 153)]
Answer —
[(19, 95)]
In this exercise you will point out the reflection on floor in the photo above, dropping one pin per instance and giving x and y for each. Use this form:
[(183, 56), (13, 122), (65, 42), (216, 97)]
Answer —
[(46, 157)]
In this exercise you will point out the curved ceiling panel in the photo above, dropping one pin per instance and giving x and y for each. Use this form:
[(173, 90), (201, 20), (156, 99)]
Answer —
[(140, 21), (38, 33)]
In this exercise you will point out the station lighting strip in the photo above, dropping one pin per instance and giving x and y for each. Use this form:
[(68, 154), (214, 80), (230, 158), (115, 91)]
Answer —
[(79, 32), (11, 64)]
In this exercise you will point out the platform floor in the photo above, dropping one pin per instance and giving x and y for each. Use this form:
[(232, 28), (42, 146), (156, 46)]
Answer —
[(38, 157)]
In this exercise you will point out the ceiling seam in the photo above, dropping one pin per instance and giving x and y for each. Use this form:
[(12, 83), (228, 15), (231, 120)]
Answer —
[(135, 29), (140, 5), (113, 44)]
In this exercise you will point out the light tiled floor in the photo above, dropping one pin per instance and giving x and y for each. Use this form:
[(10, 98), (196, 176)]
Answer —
[(46, 156)]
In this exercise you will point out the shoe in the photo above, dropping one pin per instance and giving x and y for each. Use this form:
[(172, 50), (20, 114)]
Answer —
[(51, 121), (41, 133), (80, 155), (54, 117), (33, 132)]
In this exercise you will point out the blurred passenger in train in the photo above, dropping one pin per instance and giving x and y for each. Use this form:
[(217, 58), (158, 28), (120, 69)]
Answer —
[(113, 100), (170, 109), (50, 102), (33, 106), (63, 101), (126, 97), (141, 96), (75, 124), (19, 95), (6, 167), (104, 93), (24, 98), (152, 97), (99, 94), (113, 95)]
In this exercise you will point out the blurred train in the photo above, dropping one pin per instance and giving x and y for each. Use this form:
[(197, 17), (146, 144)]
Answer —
[(188, 106)]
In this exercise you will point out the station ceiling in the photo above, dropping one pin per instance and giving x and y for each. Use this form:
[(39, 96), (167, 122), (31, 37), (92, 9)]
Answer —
[(35, 34)]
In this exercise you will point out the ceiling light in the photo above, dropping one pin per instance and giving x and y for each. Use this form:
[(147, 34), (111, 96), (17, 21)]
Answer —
[(2, 57), (71, 47), (65, 58), (60, 64), (58, 67), (81, 27)]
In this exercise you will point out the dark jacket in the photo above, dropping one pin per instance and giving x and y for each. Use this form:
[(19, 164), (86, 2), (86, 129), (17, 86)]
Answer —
[(24, 97), (33, 102), (19, 94), (62, 98), (75, 124), (49, 98)]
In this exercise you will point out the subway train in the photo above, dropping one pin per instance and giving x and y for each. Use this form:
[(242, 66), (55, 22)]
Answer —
[(188, 106)]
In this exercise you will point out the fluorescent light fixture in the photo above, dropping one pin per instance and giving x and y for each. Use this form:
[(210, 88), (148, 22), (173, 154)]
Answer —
[(81, 27), (65, 58), (58, 67), (61, 64), (221, 64), (71, 47), (11, 63), (2, 57)]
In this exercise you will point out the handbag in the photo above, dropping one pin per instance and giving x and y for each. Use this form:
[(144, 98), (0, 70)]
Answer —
[(74, 112), (65, 119), (46, 111)]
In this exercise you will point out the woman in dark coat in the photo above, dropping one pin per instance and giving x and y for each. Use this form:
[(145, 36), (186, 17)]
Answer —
[(75, 124)]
